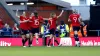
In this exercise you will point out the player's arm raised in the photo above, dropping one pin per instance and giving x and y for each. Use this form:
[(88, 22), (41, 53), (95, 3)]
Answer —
[(45, 19), (17, 13), (60, 14)]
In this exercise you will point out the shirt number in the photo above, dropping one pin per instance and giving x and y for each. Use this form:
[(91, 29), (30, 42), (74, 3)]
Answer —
[(75, 19), (36, 22)]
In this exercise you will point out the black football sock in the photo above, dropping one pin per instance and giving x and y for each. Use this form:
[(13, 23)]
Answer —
[(56, 42), (76, 38), (37, 39), (23, 42), (26, 40), (45, 41), (49, 42), (29, 42)]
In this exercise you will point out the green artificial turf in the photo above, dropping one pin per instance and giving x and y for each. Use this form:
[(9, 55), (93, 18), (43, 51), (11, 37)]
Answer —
[(52, 51)]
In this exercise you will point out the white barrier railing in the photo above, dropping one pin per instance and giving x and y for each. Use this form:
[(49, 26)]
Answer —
[(96, 31)]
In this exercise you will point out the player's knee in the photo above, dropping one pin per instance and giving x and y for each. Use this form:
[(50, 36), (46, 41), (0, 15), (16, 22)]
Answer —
[(51, 36), (36, 35), (27, 35), (75, 32), (23, 36), (31, 34), (31, 37)]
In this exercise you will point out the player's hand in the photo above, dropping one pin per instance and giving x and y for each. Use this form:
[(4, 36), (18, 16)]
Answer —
[(26, 21), (69, 20), (62, 10), (50, 18), (17, 10), (82, 23)]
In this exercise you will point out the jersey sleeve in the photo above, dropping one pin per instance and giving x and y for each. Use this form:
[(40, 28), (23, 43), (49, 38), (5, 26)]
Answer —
[(31, 19), (70, 17), (40, 17), (78, 16), (21, 18)]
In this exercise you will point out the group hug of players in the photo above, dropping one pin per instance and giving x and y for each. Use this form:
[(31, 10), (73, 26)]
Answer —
[(29, 26)]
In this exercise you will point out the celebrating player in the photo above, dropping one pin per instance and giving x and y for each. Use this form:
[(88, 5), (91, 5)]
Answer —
[(23, 27), (35, 23), (76, 20), (52, 22)]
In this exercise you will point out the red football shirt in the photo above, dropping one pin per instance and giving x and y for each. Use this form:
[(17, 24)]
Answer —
[(28, 23), (75, 19), (52, 23), (24, 25), (35, 21)]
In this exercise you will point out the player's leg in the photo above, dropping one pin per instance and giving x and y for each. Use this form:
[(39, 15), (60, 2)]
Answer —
[(23, 40), (52, 32), (37, 35), (76, 29), (51, 36), (56, 40), (31, 38), (55, 36), (28, 38), (76, 37), (32, 32), (23, 37)]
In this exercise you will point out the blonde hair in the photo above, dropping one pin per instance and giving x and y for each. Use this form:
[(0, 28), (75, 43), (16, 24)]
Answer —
[(52, 14)]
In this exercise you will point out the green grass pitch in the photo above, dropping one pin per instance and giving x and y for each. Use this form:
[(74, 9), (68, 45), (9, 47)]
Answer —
[(52, 51)]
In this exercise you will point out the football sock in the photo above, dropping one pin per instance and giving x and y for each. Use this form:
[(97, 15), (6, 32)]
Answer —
[(56, 42), (26, 40), (29, 42), (23, 42), (49, 42), (37, 39), (76, 42)]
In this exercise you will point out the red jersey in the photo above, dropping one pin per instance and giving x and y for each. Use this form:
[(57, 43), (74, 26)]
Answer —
[(28, 23), (23, 25), (35, 21), (52, 23), (75, 19)]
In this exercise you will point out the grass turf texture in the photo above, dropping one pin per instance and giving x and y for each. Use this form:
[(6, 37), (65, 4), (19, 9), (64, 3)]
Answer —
[(52, 51)]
